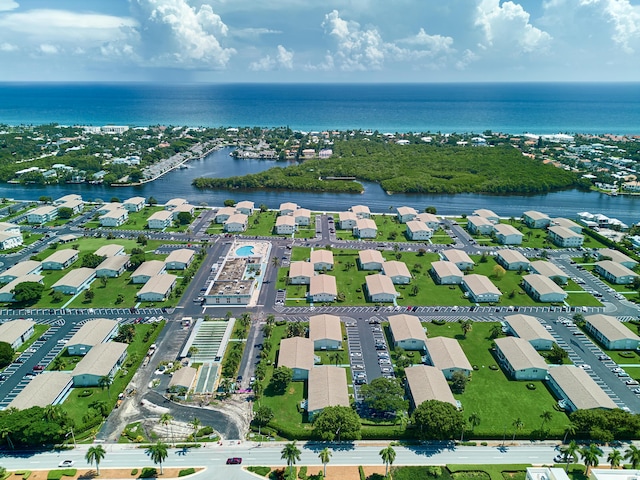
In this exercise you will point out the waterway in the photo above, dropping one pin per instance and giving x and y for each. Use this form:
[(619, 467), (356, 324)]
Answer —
[(219, 164)]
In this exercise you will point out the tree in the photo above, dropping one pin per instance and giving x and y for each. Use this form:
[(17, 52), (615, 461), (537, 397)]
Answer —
[(291, 454), (437, 420), (474, 420), (158, 453), (632, 454), (546, 416), (6, 354), (65, 212), (281, 378), (152, 201), (467, 326), (126, 333), (88, 295), (569, 429), (496, 331), (229, 203), (518, 425), (384, 395), (590, 456), (498, 272), (324, 456), (459, 381), (95, 454), (28, 293), (570, 453), (195, 424), (557, 354), (262, 416), (184, 218), (45, 199), (336, 357), (337, 422), (431, 209), (614, 458), (388, 455), (275, 261), (106, 381), (166, 419), (91, 260)]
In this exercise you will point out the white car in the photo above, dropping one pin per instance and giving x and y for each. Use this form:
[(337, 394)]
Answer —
[(66, 463)]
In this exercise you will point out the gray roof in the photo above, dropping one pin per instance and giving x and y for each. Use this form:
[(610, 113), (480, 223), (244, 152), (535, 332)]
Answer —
[(457, 256), (512, 256), (149, 268), (616, 269), (42, 390), (61, 256), (543, 285), (520, 354), (406, 327), (183, 377), (325, 327), (76, 277), (22, 268), (320, 284), (100, 360), (615, 255), (547, 269), (327, 388), (182, 255), (93, 332), (109, 250), (114, 263), (528, 327), (580, 388), (428, 383), (446, 269), (11, 331), (447, 353), (296, 352), (161, 284), (377, 284), (479, 284), (610, 327)]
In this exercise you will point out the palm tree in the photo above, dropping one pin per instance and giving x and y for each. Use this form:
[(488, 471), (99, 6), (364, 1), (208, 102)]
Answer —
[(165, 419), (158, 453), (570, 453), (271, 319), (275, 261), (466, 326), (474, 420), (614, 458), (518, 424), (6, 435), (52, 412), (388, 456), (546, 416), (590, 456), (195, 424), (336, 357), (291, 454), (324, 456), (95, 454), (569, 429), (633, 455), (106, 381)]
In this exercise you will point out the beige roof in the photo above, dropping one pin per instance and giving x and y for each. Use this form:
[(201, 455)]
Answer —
[(616, 269), (18, 280), (22, 268), (325, 327), (447, 353), (246, 204), (296, 352), (237, 218), (394, 268), (428, 383), (76, 277), (135, 200), (512, 256), (109, 250), (370, 256), (417, 226), (528, 327), (161, 215), (406, 211), (301, 269), (377, 284), (93, 332), (114, 263), (183, 255), (175, 202), (363, 223), (285, 220), (61, 256), (535, 215), (344, 216), (506, 229), (427, 218), (327, 388), (5, 236), (11, 331), (563, 232), (483, 212), (360, 209), (42, 390), (8, 225), (615, 255), (46, 210), (107, 207), (479, 221), (228, 211), (72, 204), (323, 284), (406, 327), (100, 359), (457, 256), (185, 207), (543, 285), (479, 285), (446, 269), (580, 388), (302, 212), (288, 206), (69, 197), (610, 327), (149, 268), (520, 354), (566, 223), (161, 284), (321, 256), (183, 377), (547, 269)]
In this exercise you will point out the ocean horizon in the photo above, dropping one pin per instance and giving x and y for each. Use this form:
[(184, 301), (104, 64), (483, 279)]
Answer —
[(516, 108)]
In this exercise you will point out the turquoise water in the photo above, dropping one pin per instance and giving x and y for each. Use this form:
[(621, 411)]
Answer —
[(245, 251)]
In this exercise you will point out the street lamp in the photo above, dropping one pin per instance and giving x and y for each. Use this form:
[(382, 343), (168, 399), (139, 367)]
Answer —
[(338, 433), (72, 436)]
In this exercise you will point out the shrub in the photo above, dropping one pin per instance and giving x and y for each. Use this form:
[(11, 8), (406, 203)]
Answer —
[(262, 471), (134, 471), (531, 386), (205, 431), (493, 367), (302, 474), (484, 444), (148, 472), (361, 471), (438, 322), (280, 323), (186, 471), (476, 368), (58, 474), (468, 444)]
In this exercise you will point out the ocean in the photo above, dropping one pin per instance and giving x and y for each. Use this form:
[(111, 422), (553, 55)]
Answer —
[(459, 107)]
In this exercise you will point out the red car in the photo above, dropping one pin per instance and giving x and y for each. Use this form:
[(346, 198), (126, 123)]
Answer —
[(234, 461)]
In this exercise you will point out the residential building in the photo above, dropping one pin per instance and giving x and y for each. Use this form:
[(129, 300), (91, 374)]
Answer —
[(184, 208), (48, 388), (616, 256), (75, 206), (543, 289), (611, 333), (327, 388), (296, 353), (365, 228), (92, 333), (8, 227), (550, 270), (108, 207), (75, 281), (429, 219), (566, 223), (60, 259), (72, 197), (615, 273), (6, 291), (10, 239), (460, 258), (530, 329), (519, 359), (159, 220), (406, 214), (321, 260), (407, 332), (236, 223), (101, 361), (175, 202), (370, 260), (447, 356), (418, 231), (325, 331), (534, 219), (322, 288), (245, 207), (113, 267), (285, 225), (424, 382), (361, 211), (223, 214), (302, 217), (507, 234), (20, 269), (347, 220), (446, 273), (146, 270), (41, 215), (300, 273), (380, 289), (16, 332), (114, 218), (480, 289), (576, 390), (134, 204), (158, 288), (488, 214), (479, 225), (110, 250), (563, 237), (179, 259), (183, 378), (512, 260), (397, 272), (287, 208)]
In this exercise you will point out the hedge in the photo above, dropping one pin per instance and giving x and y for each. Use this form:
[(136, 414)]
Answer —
[(262, 471), (58, 474), (149, 472), (186, 471)]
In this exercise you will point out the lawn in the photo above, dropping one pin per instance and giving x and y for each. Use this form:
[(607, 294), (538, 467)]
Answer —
[(624, 357), (38, 331), (136, 220), (496, 399), (27, 239), (494, 472), (390, 230)]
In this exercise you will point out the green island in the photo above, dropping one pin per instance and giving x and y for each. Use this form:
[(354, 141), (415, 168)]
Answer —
[(413, 168)]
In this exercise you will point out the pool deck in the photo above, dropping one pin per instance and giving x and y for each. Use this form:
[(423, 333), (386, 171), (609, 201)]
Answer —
[(262, 250)]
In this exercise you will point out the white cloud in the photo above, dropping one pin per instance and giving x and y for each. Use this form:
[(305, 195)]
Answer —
[(507, 26), (434, 43), (8, 5), (282, 60), (8, 47), (624, 17), (254, 32), (48, 49)]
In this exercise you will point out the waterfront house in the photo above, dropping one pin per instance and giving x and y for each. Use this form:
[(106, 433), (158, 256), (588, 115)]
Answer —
[(321, 260), (566, 223), (20, 269), (113, 266), (325, 331), (347, 220), (60, 259), (146, 270), (245, 207), (616, 256), (565, 238), (611, 333), (134, 204), (110, 250), (361, 211), (285, 225), (296, 353), (184, 208), (72, 197), (108, 207), (459, 257), (75, 281), (534, 219), (519, 359), (6, 292), (512, 260), (302, 217), (550, 270), (407, 332), (159, 220), (175, 202), (223, 214), (365, 228), (507, 234), (543, 289), (418, 231), (397, 272), (114, 218), (447, 356), (424, 383), (101, 361), (479, 225), (380, 289), (446, 273), (236, 223), (429, 219), (480, 289), (406, 214), (370, 260), (16, 332), (92, 333), (327, 388), (530, 329), (615, 273), (322, 288), (576, 390), (41, 215), (179, 259), (75, 206), (300, 273), (157, 288), (287, 208), (488, 214)]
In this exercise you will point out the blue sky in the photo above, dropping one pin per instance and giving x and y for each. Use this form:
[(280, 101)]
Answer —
[(323, 41)]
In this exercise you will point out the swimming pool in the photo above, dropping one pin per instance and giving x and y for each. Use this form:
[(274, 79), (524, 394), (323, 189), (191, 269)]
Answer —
[(244, 251)]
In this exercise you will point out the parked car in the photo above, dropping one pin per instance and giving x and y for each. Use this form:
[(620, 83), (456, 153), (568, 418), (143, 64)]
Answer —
[(234, 461), (66, 463)]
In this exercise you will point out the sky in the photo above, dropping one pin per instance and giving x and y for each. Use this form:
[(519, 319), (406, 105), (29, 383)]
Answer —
[(226, 41)]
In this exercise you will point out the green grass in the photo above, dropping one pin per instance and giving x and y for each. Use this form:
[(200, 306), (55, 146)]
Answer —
[(390, 230), (38, 331), (27, 239), (136, 220), (495, 472)]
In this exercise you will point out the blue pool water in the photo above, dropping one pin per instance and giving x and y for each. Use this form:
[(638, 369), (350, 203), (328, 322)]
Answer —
[(245, 251)]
